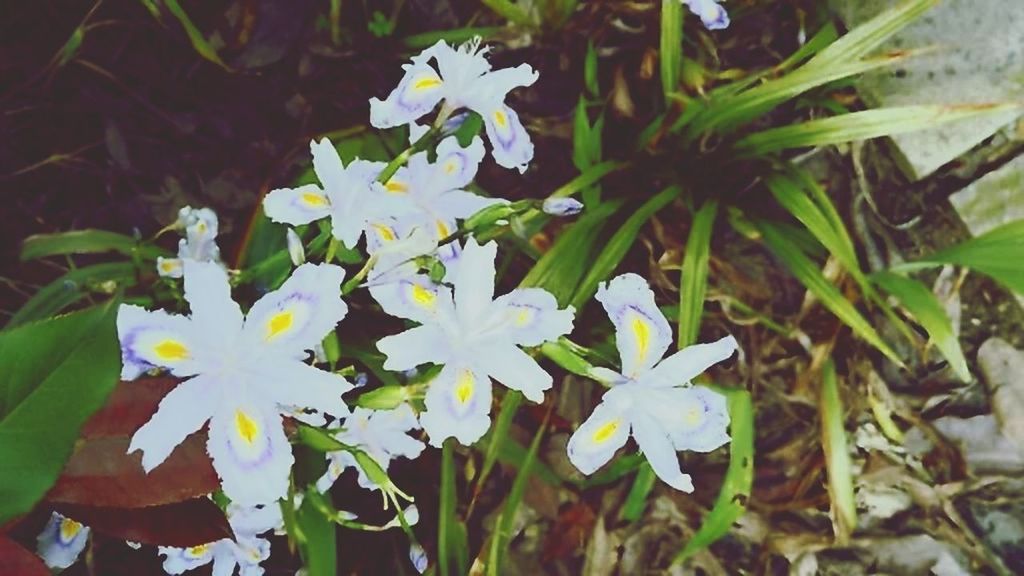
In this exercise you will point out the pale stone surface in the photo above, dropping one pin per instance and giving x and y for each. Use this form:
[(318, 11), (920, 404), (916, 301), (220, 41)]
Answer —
[(993, 200), (979, 58)]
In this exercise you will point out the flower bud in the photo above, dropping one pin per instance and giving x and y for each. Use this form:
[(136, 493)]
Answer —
[(295, 248), (562, 206)]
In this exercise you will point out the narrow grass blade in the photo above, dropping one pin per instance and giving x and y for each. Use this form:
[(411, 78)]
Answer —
[(499, 433), (318, 545), (560, 269), (616, 247), (510, 11), (70, 288), (864, 125), (739, 477), (636, 500), (808, 273), (671, 45), (195, 36), (997, 253), (86, 242), (865, 38), (926, 308), (837, 455), (454, 36), (451, 541), (820, 217), (503, 530), (693, 280)]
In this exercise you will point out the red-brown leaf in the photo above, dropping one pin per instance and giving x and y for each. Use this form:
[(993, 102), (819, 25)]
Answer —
[(101, 472), (190, 523), (16, 561)]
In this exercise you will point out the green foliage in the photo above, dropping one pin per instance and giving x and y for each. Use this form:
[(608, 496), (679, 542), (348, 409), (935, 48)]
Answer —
[(671, 45), (863, 125), (73, 286), (693, 278), (195, 36), (452, 548), (810, 275), (739, 477), (56, 374), (837, 454), (928, 311), (997, 253), (86, 242)]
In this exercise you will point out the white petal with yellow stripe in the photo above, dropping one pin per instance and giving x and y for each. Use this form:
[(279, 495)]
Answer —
[(642, 334), (458, 405), (297, 206), (417, 93), (155, 338), (594, 443), (298, 315), (250, 451), (532, 316)]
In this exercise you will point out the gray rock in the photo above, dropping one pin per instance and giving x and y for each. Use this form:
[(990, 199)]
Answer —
[(979, 58), (993, 200), (1002, 367)]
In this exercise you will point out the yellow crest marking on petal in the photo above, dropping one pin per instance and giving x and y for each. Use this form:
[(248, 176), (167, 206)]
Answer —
[(396, 187), (169, 265), (442, 229), (279, 324), (69, 529), (500, 118), (642, 332), (198, 551), (524, 316), (464, 387), (450, 166), (693, 416), (422, 296), (314, 200), (171, 351), (246, 427), (385, 232), (201, 227), (606, 431), (426, 83)]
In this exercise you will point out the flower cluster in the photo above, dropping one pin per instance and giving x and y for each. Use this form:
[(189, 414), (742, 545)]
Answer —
[(199, 244), (243, 373)]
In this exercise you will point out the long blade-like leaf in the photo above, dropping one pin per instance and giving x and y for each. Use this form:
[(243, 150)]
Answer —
[(808, 273), (837, 455), (864, 125), (927, 309)]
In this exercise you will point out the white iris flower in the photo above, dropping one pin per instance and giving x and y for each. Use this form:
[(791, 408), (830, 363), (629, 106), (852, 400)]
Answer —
[(651, 399), (61, 541), (241, 373), (710, 12), (245, 552), (474, 337), (463, 79), (350, 195), (383, 434), (199, 244)]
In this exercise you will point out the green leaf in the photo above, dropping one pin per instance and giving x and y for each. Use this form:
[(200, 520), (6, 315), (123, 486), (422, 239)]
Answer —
[(56, 374), (560, 269), (451, 548), (808, 273), (72, 287), (928, 311), (317, 544), (512, 12), (195, 36), (739, 477), (847, 56), (620, 242), (503, 530), (86, 242), (693, 279), (590, 71), (498, 434), (997, 253), (864, 125), (671, 45), (837, 454), (636, 500)]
